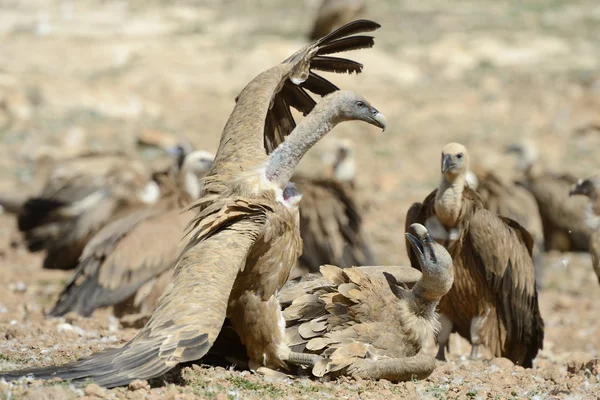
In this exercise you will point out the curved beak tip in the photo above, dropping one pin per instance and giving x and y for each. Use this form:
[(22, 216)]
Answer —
[(380, 121)]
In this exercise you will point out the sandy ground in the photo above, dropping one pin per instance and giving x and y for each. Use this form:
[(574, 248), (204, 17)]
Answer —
[(92, 74)]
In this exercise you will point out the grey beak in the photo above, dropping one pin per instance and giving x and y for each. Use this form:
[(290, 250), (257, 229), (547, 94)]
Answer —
[(447, 163), (378, 119)]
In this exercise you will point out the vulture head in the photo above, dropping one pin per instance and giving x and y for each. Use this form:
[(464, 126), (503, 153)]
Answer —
[(455, 161), (589, 187), (341, 160), (348, 106), (435, 261), (195, 166), (526, 152)]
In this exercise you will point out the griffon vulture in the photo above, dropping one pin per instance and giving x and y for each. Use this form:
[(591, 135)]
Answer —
[(563, 217), (591, 189), (245, 238), (494, 300), (365, 322), (134, 250), (82, 195)]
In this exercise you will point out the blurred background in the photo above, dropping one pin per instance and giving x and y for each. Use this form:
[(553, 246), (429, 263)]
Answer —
[(99, 75)]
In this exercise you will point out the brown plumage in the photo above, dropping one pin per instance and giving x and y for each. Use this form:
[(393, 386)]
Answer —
[(365, 322), (245, 238), (331, 224), (590, 188), (507, 198), (494, 300), (334, 13), (135, 249), (563, 217), (82, 195)]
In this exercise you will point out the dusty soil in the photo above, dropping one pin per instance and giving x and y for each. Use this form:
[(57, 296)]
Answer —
[(92, 74)]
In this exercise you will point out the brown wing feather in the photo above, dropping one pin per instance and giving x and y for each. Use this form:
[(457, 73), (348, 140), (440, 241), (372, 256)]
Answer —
[(331, 225), (503, 252)]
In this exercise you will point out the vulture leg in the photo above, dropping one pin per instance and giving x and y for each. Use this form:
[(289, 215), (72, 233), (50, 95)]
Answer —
[(443, 337), (477, 326), (263, 342), (394, 369)]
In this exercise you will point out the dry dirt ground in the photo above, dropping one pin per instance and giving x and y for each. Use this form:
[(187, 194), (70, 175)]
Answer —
[(94, 73)]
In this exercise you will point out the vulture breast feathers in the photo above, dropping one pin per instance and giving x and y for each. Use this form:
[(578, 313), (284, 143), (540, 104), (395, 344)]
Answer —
[(245, 238), (494, 300)]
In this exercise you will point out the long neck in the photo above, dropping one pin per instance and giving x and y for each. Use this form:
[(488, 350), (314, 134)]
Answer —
[(345, 170), (448, 200), (284, 160), (428, 301)]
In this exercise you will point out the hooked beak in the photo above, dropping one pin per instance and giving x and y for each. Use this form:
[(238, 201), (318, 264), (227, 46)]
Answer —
[(378, 119), (512, 148), (447, 163), (577, 189), (416, 245)]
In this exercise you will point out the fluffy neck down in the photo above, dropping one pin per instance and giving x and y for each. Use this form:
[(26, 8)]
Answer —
[(448, 200)]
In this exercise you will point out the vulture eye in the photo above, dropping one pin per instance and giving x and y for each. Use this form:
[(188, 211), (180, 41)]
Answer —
[(459, 155), (360, 104)]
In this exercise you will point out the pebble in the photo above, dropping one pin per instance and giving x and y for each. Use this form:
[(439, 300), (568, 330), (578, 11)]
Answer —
[(139, 384), (502, 363), (94, 390)]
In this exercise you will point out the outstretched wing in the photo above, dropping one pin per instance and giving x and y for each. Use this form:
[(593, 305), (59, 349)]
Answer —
[(510, 276), (262, 118), (190, 314)]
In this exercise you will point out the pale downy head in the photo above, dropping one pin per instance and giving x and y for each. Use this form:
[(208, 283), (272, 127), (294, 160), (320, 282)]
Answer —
[(341, 159), (526, 152), (589, 187), (455, 161), (349, 105), (195, 166), (435, 261)]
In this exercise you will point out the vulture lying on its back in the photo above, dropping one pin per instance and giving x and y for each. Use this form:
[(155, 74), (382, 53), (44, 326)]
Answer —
[(136, 249), (365, 322), (563, 217), (80, 197), (591, 189), (331, 224), (494, 300), (245, 238), (511, 200), (334, 13)]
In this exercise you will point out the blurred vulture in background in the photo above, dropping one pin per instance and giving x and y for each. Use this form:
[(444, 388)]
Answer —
[(505, 197), (591, 189), (366, 322), (331, 223), (81, 196), (136, 249), (494, 300), (563, 217), (334, 13)]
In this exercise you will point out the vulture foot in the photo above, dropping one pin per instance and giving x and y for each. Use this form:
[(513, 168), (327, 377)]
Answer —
[(394, 369), (441, 354)]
